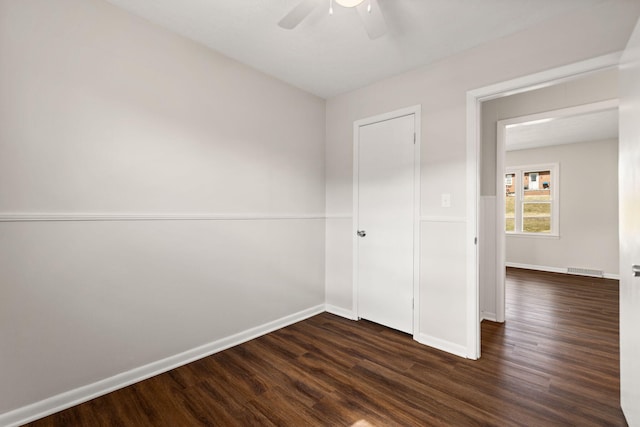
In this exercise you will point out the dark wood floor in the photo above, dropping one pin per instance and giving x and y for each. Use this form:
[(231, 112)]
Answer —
[(554, 362)]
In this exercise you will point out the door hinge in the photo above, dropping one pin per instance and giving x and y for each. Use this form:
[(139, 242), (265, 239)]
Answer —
[(413, 303), (414, 137), (475, 240)]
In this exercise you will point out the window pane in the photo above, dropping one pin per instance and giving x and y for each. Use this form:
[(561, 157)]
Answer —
[(529, 202), (510, 202), (536, 203), (537, 184), (536, 217)]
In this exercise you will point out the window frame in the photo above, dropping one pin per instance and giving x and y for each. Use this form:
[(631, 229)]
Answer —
[(520, 171)]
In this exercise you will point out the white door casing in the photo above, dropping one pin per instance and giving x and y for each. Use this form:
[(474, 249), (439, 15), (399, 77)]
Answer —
[(629, 228), (386, 208)]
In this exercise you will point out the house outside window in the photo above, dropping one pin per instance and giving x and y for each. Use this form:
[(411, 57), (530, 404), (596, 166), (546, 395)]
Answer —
[(531, 200)]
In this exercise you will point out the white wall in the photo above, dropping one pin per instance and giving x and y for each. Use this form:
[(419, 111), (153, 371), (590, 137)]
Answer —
[(487, 256), (441, 90), (588, 203), (104, 113)]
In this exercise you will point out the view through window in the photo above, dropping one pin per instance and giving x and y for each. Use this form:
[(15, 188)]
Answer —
[(530, 205)]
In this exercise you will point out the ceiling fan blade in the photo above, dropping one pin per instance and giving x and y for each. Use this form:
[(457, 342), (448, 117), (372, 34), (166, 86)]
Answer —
[(372, 19), (297, 14)]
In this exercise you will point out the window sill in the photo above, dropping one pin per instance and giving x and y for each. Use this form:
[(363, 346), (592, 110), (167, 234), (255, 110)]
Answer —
[(534, 235)]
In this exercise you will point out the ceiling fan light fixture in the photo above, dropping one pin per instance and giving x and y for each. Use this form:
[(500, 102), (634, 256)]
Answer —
[(349, 3)]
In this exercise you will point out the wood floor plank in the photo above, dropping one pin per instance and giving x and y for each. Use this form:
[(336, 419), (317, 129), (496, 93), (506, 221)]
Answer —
[(555, 361)]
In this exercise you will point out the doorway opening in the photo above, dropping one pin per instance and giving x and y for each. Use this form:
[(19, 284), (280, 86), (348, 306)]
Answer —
[(480, 231), (564, 221)]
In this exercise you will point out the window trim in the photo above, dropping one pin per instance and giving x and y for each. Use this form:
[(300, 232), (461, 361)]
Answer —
[(519, 171)]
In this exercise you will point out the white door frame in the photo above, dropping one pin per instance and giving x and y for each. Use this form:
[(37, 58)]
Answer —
[(474, 99), (416, 110)]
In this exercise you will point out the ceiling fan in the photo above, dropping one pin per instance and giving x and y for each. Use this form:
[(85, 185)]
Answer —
[(368, 10)]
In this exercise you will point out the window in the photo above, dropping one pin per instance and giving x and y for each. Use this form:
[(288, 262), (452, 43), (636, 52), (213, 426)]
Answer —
[(531, 200)]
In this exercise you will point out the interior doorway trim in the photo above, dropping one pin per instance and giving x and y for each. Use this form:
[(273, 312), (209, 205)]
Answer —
[(474, 99), (416, 110)]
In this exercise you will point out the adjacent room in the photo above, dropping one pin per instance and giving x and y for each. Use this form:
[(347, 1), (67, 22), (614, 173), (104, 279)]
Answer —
[(290, 213), (549, 183)]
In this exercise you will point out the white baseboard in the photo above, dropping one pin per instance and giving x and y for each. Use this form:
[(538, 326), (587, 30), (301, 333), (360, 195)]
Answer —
[(554, 269), (339, 311), (85, 393), (440, 344), (536, 267), (492, 317)]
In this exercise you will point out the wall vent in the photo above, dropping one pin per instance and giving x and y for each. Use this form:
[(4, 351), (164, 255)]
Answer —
[(585, 272)]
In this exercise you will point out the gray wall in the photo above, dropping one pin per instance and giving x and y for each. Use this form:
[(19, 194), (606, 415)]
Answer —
[(103, 114), (588, 208)]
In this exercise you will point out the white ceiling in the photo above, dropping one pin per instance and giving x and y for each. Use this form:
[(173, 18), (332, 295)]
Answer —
[(328, 55), (596, 126)]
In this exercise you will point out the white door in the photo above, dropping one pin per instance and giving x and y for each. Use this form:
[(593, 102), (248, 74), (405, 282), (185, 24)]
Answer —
[(385, 221), (629, 202), (533, 181)]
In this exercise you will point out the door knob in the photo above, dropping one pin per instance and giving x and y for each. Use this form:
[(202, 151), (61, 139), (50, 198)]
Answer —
[(362, 233), (636, 270)]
